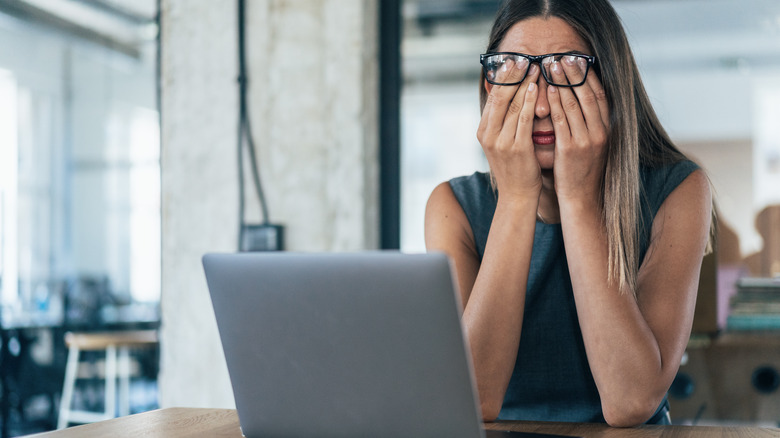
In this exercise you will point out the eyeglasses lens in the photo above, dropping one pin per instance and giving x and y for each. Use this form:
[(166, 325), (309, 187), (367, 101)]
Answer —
[(565, 70), (506, 69)]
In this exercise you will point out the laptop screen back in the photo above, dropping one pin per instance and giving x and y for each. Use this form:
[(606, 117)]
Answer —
[(343, 345)]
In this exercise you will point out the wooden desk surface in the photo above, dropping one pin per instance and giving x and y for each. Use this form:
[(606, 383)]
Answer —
[(198, 422)]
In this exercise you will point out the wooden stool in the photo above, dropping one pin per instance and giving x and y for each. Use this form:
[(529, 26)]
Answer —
[(110, 342)]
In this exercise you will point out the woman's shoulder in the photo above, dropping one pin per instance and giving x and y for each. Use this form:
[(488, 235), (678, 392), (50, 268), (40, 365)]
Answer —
[(658, 181), (466, 189), (474, 188), (474, 192), (477, 181), (682, 166), (475, 195)]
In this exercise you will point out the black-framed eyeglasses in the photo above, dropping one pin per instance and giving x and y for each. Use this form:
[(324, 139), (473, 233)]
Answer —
[(572, 74)]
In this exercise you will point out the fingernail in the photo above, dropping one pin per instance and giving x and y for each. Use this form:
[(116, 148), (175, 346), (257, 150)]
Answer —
[(534, 69), (522, 65), (531, 87), (570, 59), (552, 89), (556, 67)]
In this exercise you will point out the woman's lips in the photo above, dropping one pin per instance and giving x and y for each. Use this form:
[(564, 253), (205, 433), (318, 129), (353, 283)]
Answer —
[(543, 137)]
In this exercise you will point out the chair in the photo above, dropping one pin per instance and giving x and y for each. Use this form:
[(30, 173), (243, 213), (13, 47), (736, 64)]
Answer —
[(112, 343)]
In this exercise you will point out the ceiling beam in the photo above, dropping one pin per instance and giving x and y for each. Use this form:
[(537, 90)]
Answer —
[(32, 14)]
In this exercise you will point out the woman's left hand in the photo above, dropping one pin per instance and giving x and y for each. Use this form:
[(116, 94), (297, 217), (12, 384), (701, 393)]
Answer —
[(580, 117)]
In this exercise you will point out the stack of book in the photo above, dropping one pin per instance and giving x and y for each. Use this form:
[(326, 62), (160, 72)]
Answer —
[(756, 305)]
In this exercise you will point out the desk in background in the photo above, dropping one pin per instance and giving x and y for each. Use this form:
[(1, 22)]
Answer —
[(194, 422), (26, 381)]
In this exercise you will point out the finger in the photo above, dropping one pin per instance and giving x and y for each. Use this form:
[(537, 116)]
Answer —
[(594, 83), (491, 97), (525, 120), (558, 116), (501, 96), (500, 75), (483, 121), (575, 68), (568, 101), (519, 104)]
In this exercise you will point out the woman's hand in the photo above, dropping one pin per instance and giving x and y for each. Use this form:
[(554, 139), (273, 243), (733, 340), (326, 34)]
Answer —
[(505, 133), (580, 117)]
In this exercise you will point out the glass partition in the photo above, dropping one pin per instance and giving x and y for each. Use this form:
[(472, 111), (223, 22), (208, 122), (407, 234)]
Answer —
[(79, 177), (79, 196)]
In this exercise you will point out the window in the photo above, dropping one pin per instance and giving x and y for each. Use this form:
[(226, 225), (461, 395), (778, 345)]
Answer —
[(79, 165)]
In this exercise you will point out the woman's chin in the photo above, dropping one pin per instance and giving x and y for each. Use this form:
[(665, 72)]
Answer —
[(545, 158)]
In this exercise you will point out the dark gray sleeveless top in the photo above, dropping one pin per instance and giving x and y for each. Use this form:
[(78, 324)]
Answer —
[(552, 379)]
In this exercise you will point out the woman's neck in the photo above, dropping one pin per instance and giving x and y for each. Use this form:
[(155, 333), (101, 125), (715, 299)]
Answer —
[(548, 211)]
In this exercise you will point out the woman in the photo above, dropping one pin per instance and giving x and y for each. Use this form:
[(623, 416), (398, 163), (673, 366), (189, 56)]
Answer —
[(578, 256)]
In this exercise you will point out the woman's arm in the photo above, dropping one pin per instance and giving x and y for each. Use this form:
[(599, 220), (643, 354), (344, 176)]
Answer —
[(493, 292), (634, 345)]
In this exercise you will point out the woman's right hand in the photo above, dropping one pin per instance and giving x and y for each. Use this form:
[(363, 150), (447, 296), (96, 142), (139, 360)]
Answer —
[(505, 133)]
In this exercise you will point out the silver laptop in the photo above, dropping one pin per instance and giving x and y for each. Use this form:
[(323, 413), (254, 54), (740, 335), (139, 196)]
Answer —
[(344, 345)]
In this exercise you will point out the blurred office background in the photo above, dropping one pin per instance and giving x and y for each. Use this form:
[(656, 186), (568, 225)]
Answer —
[(105, 211), (79, 194)]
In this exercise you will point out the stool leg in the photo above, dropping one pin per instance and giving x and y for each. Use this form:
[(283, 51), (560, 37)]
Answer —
[(110, 391), (124, 381), (68, 386)]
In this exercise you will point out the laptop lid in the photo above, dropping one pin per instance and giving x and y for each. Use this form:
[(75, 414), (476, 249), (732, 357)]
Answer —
[(344, 344)]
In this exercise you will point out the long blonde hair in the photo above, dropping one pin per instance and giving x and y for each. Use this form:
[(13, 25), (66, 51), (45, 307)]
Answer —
[(636, 135)]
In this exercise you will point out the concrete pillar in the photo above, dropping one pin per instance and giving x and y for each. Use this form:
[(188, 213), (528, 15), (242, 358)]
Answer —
[(313, 102)]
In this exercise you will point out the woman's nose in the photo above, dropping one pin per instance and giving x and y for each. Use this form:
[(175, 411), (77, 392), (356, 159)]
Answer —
[(542, 108)]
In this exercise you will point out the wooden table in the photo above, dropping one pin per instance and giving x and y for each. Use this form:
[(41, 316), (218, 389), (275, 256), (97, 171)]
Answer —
[(197, 422)]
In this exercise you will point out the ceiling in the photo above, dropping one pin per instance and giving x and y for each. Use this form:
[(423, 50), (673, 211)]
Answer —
[(442, 37), (121, 25)]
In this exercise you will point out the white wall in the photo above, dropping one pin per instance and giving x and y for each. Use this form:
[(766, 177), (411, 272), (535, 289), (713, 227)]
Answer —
[(438, 135), (727, 120), (313, 104)]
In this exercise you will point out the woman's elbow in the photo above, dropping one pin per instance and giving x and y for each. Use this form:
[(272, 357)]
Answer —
[(490, 411), (629, 414)]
